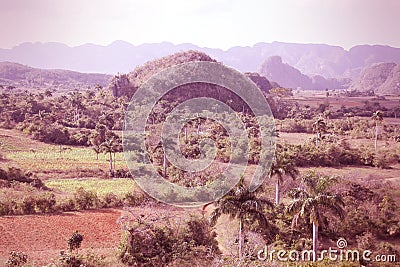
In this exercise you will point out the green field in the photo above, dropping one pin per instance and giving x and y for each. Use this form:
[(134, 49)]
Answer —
[(119, 187)]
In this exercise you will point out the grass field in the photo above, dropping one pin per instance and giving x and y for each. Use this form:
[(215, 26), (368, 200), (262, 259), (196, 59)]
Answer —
[(120, 186), (51, 162), (64, 172)]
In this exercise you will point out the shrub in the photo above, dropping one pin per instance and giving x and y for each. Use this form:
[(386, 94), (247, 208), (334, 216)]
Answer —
[(68, 260), (28, 205), (74, 242), (85, 199), (46, 203), (135, 198), (18, 175), (9, 207), (67, 205), (111, 200), (88, 260), (16, 259), (383, 159), (149, 244)]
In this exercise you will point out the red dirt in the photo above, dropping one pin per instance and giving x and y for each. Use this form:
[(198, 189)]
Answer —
[(43, 236)]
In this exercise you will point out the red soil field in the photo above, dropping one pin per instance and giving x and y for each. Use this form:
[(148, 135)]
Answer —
[(42, 237)]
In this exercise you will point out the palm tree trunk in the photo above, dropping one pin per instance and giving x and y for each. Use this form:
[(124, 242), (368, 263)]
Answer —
[(277, 192), (114, 161), (376, 135), (111, 165), (165, 165), (240, 239), (315, 241), (186, 135)]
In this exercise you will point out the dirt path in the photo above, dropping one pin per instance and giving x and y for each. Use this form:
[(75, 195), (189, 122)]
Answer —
[(43, 236)]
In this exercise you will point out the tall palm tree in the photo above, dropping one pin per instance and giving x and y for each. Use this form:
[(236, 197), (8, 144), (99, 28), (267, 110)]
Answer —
[(327, 115), (314, 201), (319, 127), (243, 205), (110, 146), (282, 166), (378, 118), (97, 149)]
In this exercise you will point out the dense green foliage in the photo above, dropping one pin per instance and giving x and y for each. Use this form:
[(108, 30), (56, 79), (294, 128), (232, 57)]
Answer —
[(148, 244)]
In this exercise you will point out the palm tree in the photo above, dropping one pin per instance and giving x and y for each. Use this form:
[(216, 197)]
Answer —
[(110, 146), (319, 127), (327, 115), (282, 166), (97, 149), (377, 117), (243, 205), (314, 201)]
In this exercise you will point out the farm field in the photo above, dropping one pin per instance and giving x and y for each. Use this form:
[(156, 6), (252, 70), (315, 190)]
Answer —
[(100, 227), (44, 236), (63, 172)]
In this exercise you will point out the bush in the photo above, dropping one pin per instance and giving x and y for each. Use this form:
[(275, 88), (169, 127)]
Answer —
[(135, 199), (74, 242), (88, 260), (15, 174), (28, 205), (69, 260), (111, 200), (67, 205), (383, 159), (9, 207), (148, 244), (16, 259), (46, 203), (85, 199)]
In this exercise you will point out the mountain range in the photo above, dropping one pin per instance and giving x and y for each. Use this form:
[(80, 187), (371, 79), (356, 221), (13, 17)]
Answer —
[(383, 79), (122, 57), (287, 76), (22, 76)]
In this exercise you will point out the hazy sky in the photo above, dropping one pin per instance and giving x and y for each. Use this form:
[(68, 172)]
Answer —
[(210, 23)]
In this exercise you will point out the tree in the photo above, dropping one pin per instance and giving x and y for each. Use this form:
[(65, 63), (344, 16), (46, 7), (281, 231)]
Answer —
[(327, 115), (74, 242), (319, 127), (97, 150), (243, 205), (314, 201), (110, 146), (282, 166), (378, 118)]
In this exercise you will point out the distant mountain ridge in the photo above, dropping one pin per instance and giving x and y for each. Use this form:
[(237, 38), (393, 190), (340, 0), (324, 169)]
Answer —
[(18, 75), (121, 57), (274, 69), (383, 79)]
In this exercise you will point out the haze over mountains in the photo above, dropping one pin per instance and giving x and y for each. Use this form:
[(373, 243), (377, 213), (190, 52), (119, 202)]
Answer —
[(22, 76), (383, 79), (311, 59), (287, 76), (307, 66)]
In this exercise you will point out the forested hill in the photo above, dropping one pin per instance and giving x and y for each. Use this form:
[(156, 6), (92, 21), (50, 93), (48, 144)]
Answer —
[(17, 75), (127, 84)]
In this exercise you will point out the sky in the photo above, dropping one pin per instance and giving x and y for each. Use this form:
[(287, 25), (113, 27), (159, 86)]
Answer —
[(207, 23)]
